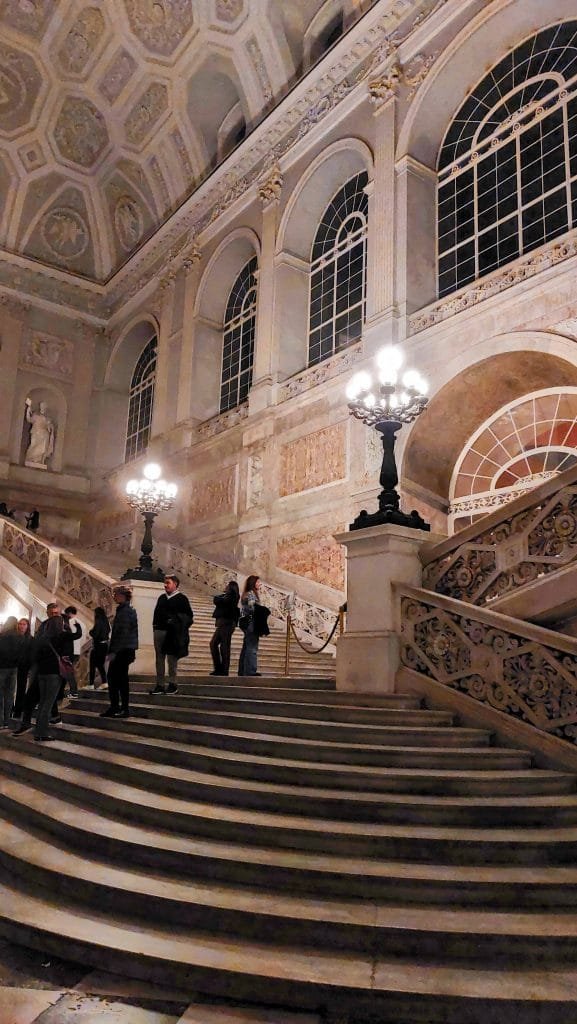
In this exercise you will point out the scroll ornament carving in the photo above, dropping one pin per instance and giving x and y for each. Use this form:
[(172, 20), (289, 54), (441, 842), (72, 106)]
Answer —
[(499, 560), (270, 187), (54, 355), (385, 87), (530, 681), (229, 10)]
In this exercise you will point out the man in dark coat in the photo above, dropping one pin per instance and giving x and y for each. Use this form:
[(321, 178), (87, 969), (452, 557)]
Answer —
[(171, 622)]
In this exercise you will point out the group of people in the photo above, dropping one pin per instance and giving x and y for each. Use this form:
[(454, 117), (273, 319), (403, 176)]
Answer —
[(31, 519), (35, 671)]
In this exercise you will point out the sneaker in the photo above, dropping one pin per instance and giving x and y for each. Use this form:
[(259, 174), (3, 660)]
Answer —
[(172, 688), (157, 689), (124, 713), (109, 713), (23, 727), (56, 720), (72, 696)]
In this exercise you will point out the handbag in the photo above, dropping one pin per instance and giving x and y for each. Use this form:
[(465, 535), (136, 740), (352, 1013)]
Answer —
[(65, 667), (243, 622)]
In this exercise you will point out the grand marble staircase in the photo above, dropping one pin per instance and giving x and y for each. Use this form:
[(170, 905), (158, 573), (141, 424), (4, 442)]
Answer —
[(280, 842)]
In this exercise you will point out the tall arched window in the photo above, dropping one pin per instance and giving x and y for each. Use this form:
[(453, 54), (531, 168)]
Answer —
[(508, 164), (238, 341), (140, 402), (338, 272)]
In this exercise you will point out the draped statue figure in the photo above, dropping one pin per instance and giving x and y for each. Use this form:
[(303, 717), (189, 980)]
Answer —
[(41, 445)]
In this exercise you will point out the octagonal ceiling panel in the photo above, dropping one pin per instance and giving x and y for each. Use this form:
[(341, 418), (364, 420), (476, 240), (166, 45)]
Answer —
[(112, 111)]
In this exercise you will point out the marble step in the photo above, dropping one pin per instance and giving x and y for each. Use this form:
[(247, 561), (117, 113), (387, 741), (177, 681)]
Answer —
[(159, 709), (263, 681), (412, 755), (349, 714), (236, 690), (286, 919), (93, 834), (480, 811), (303, 773), (448, 843), (303, 977)]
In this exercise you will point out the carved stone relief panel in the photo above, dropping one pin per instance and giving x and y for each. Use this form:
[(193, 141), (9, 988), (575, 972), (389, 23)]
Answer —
[(315, 556), (146, 112), (213, 496), (160, 24), (257, 59), (80, 132), (314, 460), (117, 75), (81, 43), (255, 487), (111, 521), (130, 214), (47, 353), (28, 16), (20, 83)]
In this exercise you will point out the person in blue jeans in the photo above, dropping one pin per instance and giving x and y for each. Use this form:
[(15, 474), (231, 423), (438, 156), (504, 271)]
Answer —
[(247, 665), (53, 643)]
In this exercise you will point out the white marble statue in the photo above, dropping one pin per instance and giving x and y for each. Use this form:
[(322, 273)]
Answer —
[(41, 445)]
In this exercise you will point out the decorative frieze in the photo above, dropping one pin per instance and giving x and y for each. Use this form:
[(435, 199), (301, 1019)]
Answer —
[(226, 420), (315, 375), (314, 460)]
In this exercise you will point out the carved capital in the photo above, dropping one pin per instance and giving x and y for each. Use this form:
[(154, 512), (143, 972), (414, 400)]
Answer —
[(385, 87), (270, 186), (191, 257)]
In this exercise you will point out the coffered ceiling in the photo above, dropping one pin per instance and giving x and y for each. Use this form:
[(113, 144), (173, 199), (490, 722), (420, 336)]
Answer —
[(112, 110)]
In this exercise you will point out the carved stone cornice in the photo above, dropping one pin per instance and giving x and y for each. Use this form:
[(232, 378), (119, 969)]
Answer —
[(190, 258), (270, 186)]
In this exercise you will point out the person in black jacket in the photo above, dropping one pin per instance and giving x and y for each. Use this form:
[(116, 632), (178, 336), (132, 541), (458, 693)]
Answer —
[(121, 653), (53, 643), (171, 622), (32, 696), (11, 654), (23, 666), (100, 634), (226, 613)]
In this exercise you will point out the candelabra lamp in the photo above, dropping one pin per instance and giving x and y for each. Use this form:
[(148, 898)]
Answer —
[(386, 405), (149, 495)]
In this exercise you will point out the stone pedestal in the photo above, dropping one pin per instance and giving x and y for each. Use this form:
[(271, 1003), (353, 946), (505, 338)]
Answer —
[(368, 652), (144, 598)]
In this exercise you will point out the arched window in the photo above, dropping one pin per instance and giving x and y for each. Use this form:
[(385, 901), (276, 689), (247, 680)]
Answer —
[(238, 341), (508, 164), (338, 272), (140, 402)]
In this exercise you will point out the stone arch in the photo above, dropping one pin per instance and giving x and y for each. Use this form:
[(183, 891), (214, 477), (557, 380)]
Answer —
[(223, 268), (113, 398), (56, 409), (463, 62), (321, 181), (467, 392)]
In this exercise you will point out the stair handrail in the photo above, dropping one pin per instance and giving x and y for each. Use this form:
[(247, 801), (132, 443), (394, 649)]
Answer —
[(531, 536), (525, 671), (310, 618)]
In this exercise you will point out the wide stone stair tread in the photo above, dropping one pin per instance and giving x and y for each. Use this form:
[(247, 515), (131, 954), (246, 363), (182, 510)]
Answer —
[(303, 727), (440, 809), (307, 775), (315, 749), (188, 816), (337, 698)]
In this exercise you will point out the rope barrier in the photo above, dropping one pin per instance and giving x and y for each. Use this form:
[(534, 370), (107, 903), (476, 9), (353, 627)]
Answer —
[(314, 650)]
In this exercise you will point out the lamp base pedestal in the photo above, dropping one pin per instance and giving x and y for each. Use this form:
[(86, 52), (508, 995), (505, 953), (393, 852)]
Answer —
[(144, 575), (390, 517)]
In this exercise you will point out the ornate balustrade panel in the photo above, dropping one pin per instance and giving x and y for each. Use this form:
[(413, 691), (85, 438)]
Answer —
[(26, 548), (509, 548), (528, 672), (311, 618), (87, 587)]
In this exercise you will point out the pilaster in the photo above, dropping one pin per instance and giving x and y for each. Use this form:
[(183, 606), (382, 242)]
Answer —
[(191, 268), (265, 355), (166, 290)]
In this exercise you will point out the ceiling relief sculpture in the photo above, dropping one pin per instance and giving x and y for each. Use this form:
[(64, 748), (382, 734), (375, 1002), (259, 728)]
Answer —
[(113, 111)]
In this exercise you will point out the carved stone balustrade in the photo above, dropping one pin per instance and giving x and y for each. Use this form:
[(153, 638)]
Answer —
[(529, 537), (527, 672), (24, 547)]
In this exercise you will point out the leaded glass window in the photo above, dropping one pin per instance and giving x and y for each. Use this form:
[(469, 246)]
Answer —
[(338, 272), (141, 398), (238, 338), (508, 164)]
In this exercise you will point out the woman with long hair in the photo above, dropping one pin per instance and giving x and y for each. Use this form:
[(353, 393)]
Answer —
[(226, 614), (100, 634), (247, 665)]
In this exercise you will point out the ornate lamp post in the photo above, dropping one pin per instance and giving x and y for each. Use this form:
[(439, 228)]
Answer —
[(386, 406), (149, 495)]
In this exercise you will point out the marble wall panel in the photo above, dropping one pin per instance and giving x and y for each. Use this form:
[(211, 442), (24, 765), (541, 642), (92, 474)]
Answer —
[(213, 496), (315, 555), (314, 460)]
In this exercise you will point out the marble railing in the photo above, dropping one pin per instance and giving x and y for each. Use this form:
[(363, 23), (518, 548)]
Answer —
[(310, 618), (529, 537), (527, 672), (59, 570)]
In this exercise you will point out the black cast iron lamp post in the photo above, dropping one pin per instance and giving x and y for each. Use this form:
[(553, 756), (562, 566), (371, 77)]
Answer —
[(149, 495), (386, 406)]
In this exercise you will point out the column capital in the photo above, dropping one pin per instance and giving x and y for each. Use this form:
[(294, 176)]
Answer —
[(270, 185), (384, 88), (191, 257)]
